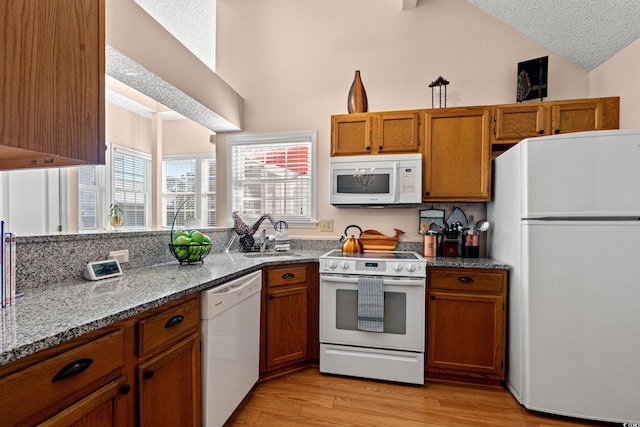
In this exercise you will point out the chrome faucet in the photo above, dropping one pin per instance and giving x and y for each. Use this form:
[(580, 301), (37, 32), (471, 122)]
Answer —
[(264, 241)]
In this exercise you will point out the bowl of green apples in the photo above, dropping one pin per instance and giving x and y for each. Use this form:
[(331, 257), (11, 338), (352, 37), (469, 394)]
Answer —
[(189, 246)]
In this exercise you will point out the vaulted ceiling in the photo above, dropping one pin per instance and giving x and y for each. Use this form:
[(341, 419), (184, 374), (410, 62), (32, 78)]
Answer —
[(585, 32)]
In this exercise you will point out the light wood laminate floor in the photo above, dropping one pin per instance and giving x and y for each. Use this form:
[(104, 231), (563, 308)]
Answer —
[(308, 398)]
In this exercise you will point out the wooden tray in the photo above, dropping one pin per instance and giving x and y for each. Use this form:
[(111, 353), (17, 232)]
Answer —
[(373, 240)]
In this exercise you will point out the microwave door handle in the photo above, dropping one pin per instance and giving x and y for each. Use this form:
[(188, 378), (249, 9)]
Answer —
[(395, 182)]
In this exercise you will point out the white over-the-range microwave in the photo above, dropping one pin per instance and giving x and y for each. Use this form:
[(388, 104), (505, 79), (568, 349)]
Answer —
[(376, 180)]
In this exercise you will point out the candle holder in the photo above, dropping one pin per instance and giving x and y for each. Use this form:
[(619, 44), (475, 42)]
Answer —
[(438, 87)]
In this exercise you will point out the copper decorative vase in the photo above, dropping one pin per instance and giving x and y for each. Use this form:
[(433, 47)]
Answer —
[(357, 100)]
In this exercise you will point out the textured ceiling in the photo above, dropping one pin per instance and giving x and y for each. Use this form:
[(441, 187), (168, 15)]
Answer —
[(585, 32)]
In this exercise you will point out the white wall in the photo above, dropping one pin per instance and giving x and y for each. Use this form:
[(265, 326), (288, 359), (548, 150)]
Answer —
[(294, 61), (619, 77), (185, 136)]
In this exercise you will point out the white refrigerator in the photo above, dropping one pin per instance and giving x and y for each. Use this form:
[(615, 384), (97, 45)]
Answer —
[(566, 216)]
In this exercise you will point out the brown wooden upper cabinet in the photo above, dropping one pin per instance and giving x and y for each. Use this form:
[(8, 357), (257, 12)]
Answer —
[(457, 155), (514, 122), (351, 134), (398, 132), (375, 133), (52, 109), (457, 143)]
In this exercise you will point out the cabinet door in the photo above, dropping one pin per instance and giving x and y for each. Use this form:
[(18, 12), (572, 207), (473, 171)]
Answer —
[(53, 102), (169, 386), (577, 116), (398, 132), (513, 123), (457, 155), (41, 390), (286, 325), (98, 409), (351, 134), (465, 333)]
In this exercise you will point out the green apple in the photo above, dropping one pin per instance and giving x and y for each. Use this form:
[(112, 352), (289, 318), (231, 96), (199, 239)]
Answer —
[(182, 240), (179, 233), (197, 237)]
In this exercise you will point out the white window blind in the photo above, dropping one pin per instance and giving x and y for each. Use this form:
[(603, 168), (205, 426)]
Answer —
[(189, 182), (131, 186), (91, 197), (208, 166), (273, 174)]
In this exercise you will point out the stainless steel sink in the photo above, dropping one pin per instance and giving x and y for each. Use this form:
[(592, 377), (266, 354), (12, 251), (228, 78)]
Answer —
[(269, 254)]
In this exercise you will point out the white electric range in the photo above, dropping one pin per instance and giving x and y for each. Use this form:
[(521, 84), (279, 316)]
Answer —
[(394, 349)]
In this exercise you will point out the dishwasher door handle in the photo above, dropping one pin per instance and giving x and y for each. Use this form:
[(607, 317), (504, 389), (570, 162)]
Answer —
[(233, 287)]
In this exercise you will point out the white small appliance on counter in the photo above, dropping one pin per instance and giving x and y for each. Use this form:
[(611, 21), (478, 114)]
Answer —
[(384, 180)]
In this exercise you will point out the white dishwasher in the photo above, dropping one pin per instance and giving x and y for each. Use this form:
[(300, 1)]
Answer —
[(230, 321)]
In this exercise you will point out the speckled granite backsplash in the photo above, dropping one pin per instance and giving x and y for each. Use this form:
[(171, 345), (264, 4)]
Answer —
[(43, 260)]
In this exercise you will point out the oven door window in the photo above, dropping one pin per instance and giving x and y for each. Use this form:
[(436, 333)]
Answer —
[(395, 311), (363, 182)]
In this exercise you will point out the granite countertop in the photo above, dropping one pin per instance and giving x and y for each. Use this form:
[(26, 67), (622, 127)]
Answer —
[(50, 315), (466, 263)]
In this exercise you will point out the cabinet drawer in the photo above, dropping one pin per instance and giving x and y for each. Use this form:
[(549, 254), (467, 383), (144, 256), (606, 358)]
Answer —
[(167, 327), (465, 279), (35, 389), (286, 276)]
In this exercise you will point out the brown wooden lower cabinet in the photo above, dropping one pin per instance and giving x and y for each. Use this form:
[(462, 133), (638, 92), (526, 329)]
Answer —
[(100, 408), (289, 318), (466, 320), (142, 371), (168, 390)]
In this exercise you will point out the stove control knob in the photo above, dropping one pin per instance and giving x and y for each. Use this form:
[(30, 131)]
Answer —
[(411, 268), (331, 264), (397, 267), (344, 265)]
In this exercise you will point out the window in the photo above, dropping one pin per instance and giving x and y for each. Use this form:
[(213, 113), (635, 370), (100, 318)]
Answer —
[(189, 186), (91, 198), (275, 174), (131, 186), (125, 180)]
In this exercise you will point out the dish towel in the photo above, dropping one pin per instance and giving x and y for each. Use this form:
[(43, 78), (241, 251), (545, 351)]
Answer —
[(371, 304)]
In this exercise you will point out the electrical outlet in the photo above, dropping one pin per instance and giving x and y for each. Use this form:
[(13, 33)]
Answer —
[(326, 225), (121, 256)]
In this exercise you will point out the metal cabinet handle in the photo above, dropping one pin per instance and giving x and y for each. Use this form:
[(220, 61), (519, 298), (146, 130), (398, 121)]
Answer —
[(271, 296), (465, 279), (148, 374), (541, 131), (73, 368), (433, 298), (288, 276), (175, 320), (125, 389)]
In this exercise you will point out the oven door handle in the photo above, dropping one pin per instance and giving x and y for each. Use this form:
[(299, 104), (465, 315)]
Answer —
[(354, 280)]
